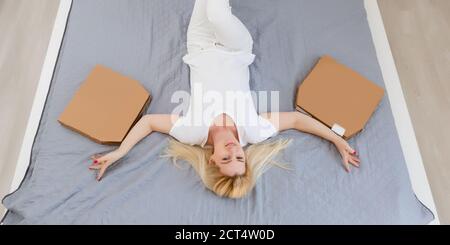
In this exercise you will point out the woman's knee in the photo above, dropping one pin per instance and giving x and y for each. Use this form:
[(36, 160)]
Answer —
[(218, 11)]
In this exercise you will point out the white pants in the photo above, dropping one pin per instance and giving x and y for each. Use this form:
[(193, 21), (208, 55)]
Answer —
[(212, 22)]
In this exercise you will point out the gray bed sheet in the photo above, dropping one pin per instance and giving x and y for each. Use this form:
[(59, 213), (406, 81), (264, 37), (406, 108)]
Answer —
[(146, 39)]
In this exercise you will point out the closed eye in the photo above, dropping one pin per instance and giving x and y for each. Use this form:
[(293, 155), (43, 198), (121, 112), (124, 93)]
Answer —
[(226, 160)]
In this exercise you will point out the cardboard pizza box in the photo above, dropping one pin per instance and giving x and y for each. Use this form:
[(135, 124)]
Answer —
[(339, 97), (106, 106)]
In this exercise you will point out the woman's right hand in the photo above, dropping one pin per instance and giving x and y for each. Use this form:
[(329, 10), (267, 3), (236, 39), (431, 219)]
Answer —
[(146, 125), (102, 163), (349, 155)]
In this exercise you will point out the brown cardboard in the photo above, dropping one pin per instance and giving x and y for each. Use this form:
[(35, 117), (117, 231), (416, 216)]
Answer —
[(106, 106), (333, 93)]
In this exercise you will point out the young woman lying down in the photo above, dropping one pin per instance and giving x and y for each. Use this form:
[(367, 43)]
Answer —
[(219, 53)]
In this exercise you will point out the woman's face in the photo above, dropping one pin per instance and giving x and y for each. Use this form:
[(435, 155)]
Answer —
[(230, 158)]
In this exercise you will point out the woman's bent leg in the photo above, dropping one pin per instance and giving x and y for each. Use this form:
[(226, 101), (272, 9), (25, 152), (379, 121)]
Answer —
[(229, 30), (200, 33)]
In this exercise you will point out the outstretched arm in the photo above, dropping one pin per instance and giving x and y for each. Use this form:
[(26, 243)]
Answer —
[(146, 125), (299, 121)]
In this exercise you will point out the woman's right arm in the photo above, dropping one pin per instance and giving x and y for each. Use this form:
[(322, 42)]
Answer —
[(146, 125)]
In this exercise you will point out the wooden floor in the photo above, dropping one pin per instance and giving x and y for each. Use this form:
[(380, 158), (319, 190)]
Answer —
[(418, 32), (25, 29), (419, 35)]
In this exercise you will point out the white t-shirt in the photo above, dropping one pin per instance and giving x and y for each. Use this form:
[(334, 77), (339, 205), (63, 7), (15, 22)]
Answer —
[(220, 85)]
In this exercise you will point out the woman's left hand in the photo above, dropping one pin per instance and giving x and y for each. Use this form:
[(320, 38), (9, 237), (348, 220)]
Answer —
[(349, 155)]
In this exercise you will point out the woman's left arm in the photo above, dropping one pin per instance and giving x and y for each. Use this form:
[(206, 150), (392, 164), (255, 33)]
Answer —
[(299, 121)]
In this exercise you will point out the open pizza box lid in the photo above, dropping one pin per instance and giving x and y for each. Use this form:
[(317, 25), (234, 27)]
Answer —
[(106, 106), (339, 97)]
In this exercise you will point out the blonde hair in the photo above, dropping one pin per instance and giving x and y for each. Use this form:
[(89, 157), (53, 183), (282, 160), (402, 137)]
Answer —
[(259, 157)]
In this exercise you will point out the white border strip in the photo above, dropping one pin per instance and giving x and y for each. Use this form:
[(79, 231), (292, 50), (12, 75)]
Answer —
[(41, 92), (402, 119)]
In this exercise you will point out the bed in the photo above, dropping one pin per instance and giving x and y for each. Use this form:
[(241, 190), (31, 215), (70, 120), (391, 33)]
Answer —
[(146, 40)]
